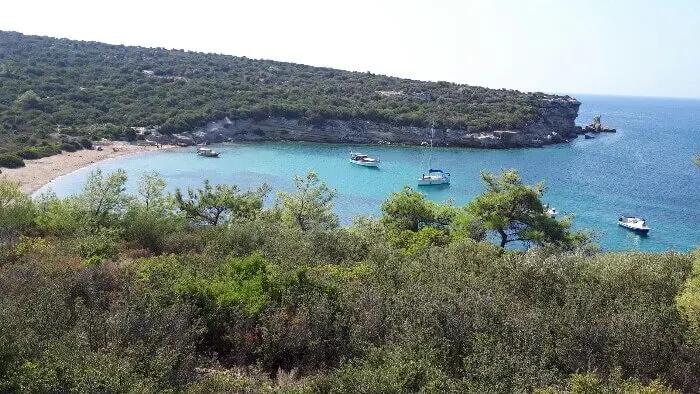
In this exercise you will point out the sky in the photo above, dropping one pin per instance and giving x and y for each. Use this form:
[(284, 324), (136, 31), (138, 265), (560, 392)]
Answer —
[(623, 47)]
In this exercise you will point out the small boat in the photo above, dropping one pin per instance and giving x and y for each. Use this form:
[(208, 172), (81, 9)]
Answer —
[(551, 212), (206, 152), (633, 223), (434, 177), (588, 136), (363, 160)]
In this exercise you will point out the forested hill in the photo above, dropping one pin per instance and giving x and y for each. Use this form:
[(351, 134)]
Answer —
[(47, 82)]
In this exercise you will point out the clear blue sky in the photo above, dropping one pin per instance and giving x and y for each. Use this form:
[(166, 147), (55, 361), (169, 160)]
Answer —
[(642, 47)]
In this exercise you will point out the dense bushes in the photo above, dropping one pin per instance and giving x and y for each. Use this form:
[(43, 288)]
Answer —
[(128, 295), (71, 146), (11, 161), (45, 150)]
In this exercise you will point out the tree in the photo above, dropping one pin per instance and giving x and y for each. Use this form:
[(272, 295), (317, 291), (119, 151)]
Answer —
[(103, 196), (466, 225), (414, 223), (16, 214), (16, 208), (151, 189), (688, 300), (28, 100), (409, 210), (514, 211), (311, 206), (150, 219), (406, 210), (213, 204), (58, 216)]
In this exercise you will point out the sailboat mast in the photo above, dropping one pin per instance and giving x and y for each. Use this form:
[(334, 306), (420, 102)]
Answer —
[(430, 156)]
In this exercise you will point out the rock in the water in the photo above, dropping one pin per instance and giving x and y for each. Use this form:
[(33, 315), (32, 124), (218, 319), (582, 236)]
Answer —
[(597, 127)]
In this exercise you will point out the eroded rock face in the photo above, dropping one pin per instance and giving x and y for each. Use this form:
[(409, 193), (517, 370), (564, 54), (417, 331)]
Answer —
[(597, 127), (555, 124)]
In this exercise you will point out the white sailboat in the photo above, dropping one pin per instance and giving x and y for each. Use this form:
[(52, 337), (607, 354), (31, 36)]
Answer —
[(433, 176)]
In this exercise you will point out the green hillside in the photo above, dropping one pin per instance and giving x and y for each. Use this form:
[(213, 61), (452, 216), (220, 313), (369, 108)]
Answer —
[(92, 90)]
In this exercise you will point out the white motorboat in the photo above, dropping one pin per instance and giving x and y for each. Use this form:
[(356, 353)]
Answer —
[(363, 160), (206, 152), (634, 223), (434, 177), (551, 212)]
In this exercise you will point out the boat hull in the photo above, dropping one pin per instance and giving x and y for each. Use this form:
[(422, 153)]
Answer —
[(431, 182), (640, 230), (365, 164)]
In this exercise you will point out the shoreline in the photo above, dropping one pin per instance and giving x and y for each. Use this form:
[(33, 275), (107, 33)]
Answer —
[(38, 173)]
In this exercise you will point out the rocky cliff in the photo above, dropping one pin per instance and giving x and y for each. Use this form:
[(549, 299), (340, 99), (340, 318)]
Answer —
[(555, 124)]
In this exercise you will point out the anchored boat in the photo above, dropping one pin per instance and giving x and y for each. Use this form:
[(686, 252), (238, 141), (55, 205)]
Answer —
[(434, 177), (551, 212), (363, 160), (634, 223), (206, 152)]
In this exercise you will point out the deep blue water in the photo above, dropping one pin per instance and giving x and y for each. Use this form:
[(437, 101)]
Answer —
[(644, 169)]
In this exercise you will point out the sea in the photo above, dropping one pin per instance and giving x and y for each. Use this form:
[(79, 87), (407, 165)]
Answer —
[(645, 169)]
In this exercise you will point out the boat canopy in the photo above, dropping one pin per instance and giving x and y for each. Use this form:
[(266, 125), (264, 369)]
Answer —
[(433, 170)]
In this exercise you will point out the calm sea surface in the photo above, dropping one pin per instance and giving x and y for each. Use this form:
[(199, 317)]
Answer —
[(644, 169)]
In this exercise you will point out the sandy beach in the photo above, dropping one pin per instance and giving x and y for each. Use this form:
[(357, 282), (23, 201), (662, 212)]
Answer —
[(37, 173)]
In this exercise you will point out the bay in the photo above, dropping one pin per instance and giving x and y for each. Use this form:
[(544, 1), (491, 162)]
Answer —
[(644, 169)]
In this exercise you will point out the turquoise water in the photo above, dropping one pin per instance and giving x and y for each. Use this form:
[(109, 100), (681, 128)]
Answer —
[(644, 169)]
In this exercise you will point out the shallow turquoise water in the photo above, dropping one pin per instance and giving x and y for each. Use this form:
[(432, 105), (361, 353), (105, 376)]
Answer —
[(644, 169)]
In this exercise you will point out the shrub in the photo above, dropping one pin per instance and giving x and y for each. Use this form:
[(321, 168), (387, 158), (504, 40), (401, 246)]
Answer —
[(151, 229), (29, 154), (391, 369), (102, 244), (16, 208), (233, 381), (188, 240), (86, 143), (56, 216), (68, 147), (71, 146), (11, 161), (43, 150)]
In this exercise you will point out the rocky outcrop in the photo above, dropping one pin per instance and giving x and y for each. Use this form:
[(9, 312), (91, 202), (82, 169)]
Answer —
[(555, 124), (597, 127)]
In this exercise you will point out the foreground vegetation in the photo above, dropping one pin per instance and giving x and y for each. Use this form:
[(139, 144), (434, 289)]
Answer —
[(209, 291), (89, 90)]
